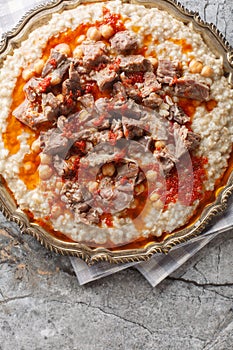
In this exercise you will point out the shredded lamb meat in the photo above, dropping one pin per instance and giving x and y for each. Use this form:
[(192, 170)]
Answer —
[(111, 94)]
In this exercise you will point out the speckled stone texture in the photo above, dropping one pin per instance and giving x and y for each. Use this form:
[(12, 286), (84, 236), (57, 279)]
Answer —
[(43, 307)]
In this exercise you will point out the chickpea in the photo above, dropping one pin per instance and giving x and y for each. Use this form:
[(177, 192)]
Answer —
[(78, 52), (92, 186), (36, 146), (154, 197), (107, 31), (80, 39), (159, 144), (151, 175), (93, 34), (63, 48), (59, 185), (154, 61), (55, 79), (27, 74), (45, 172), (60, 98), (158, 205), (108, 169), (139, 188), (195, 66), (38, 66), (45, 158), (207, 72)]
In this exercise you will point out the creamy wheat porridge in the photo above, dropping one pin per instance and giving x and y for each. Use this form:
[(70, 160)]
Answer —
[(116, 121)]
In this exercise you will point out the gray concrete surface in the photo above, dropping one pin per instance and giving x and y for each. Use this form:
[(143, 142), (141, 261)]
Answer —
[(43, 307)]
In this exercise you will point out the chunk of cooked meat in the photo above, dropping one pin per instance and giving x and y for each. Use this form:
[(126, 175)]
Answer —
[(123, 42), (189, 88), (135, 63), (55, 60), (28, 114), (105, 78), (133, 129), (71, 86), (167, 70), (152, 101), (53, 142), (177, 114), (51, 106), (87, 102), (150, 84), (32, 88), (94, 53)]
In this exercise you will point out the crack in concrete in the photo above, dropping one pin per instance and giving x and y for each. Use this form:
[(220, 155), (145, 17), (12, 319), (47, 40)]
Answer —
[(8, 300), (221, 295), (205, 8), (195, 283), (200, 272), (117, 316), (105, 313), (222, 325)]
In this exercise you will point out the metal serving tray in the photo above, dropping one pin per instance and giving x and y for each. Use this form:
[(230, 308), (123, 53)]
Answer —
[(144, 250)]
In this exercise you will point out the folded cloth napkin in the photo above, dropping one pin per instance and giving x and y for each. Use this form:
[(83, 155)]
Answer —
[(160, 265)]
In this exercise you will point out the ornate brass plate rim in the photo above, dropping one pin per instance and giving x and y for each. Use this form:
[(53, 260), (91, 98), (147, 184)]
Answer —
[(217, 43)]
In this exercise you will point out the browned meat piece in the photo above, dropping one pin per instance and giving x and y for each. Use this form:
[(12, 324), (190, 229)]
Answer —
[(147, 142), (166, 162), (185, 141), (192, 89), (129, 108), (177, 114), (127, 170), (101, 105), (105, 78), (32, 88), (119, 91), (56, 61), (105, 189), (140, 178), (133, 129), (116, 125), (71, 86), (50, 106), (150, 84), (87, 102), (28, 114), (135, 63), (59, 165), (123, 42), (82, 207), (152, 101), (134, 93), (53, 142), (167, 71), (91, 217), (189, 139), (94, 53), (130, 90)]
